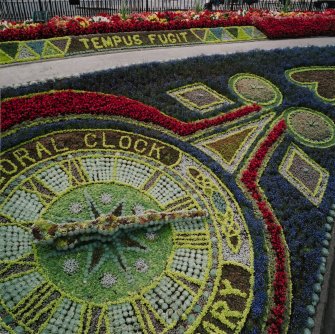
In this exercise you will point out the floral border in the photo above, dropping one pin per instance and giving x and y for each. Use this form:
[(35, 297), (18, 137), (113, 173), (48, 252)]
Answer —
[(17, 110), (43, 49), (281, 284)]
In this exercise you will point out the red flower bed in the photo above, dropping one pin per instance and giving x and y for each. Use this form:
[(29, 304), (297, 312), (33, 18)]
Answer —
[(67, 26), (273, 24), (250, 180), (293, 27), (17, 110)]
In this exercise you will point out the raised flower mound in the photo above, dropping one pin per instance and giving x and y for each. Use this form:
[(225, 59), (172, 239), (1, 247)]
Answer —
[(274, 24)]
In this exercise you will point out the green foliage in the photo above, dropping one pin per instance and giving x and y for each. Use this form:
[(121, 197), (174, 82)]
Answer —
[(125, 10), (287, 6), (90, 288), (61, 209), (197, 6)]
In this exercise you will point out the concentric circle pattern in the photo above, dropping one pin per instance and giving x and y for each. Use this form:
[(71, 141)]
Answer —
[(164, 274)]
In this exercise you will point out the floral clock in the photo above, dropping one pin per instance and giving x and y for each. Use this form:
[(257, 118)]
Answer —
[(192, 272), (117, 218)]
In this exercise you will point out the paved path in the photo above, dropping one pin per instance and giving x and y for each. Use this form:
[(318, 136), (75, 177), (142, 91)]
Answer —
[(21, 74)]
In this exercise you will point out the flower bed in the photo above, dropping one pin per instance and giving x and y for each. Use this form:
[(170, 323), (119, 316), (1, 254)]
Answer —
[(191, 201), (59, 47), (273, 24), (77, 103)]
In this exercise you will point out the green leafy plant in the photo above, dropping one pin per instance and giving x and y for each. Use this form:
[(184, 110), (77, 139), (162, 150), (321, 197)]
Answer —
[(287, 6), (197, 6), (125, 10)]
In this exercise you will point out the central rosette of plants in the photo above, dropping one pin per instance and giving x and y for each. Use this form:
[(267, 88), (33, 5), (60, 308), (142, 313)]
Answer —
[(109, 249), (113, 252)]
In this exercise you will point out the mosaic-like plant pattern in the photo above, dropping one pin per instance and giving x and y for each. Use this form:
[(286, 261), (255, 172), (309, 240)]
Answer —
[(319, 79), (310, 127), (128, 220), (141, 261), (198, 97), (60, 47), (253, 89)]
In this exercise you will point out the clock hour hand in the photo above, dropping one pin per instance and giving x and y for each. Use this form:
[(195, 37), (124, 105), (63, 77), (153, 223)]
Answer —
[(104, 228)]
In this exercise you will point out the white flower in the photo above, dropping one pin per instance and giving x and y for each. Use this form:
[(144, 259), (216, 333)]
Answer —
[(4, 25), (150, 235), (138, 209), (70, 266), (141, 266), (99, 19), (76, 208), (106, 198), (108, 280)]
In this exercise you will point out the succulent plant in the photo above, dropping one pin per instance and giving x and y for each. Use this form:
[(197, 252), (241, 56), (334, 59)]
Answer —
[(76, 208), (141, 266), (138, 209), (106, 198), (150, 235), (70, 266), (108, 280)]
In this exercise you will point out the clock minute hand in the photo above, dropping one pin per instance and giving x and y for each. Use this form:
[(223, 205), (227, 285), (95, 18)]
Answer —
[(67, 236)]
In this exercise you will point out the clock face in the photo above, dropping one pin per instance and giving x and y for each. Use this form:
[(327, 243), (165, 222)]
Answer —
[(190, 275)]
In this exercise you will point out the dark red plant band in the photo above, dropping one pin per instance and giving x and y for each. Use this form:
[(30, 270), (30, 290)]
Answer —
[(20, 109), (250, 180)]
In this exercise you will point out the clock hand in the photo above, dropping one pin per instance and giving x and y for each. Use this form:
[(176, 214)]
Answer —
[(69, 235), (95, 212)]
